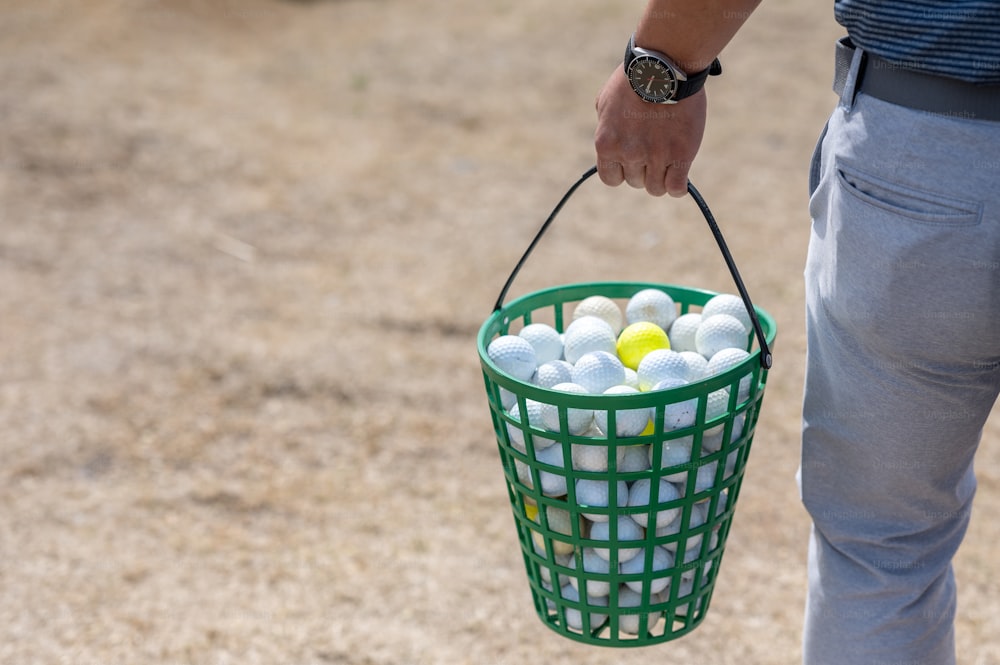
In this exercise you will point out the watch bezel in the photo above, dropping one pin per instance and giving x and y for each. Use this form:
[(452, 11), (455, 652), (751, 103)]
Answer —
[(677, 76)]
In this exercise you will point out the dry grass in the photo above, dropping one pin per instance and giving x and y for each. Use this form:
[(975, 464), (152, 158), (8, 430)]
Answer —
[(246, 248)]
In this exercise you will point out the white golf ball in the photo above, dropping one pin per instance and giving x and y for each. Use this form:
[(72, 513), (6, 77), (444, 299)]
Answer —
[(545, 572), (693, 541), (636, 459), (731, 460), (628, 422), (739, 424), (574, 617), (592, 563), (628, 530), (720, 507), (553, 373), (587, 334), (597, 371), (661, 364), (682, 332), (545, 339), (662, 560), (507, 398), (725, 360), (728, 303), (578, 421), (697, 365), (719, 332), (651, 305), (603, 308), (677, 415), (632, 623), (639, 497), (552, 483), (674, 453), (513, 355), (685, 590), (704, 479), (690, 565), (533, 418), (595, 457), (596, 494), (718, 404)]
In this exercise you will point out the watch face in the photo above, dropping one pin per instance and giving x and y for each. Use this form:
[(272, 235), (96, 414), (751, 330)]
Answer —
[(652, 79)]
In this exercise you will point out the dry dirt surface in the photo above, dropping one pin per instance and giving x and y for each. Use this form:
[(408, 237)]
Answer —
[(246, 247)]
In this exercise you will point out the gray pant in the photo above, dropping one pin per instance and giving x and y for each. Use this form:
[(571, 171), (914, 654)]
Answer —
[(903, 367)]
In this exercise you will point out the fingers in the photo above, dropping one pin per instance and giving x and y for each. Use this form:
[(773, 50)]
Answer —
[(655, 182), (676, 180), (635, 175), (610, 172)]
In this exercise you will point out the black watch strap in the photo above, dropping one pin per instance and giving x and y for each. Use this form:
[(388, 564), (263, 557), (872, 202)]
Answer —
[(686, 88)]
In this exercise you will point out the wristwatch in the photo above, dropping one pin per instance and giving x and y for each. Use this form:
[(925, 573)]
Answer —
[(658, 80)]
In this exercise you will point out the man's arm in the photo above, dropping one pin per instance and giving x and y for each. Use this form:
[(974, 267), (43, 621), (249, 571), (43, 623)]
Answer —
[(653, 145)]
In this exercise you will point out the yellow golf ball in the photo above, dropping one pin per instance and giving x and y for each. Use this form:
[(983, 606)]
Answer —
[(638, 339)]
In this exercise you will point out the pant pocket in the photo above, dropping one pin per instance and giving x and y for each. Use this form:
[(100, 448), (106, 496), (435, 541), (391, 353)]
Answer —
[(906, 203)]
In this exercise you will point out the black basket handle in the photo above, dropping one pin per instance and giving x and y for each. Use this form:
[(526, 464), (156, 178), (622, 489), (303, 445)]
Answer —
[(765, 352)]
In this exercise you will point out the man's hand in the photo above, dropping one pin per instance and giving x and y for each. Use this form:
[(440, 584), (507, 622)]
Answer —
[(647, 145)]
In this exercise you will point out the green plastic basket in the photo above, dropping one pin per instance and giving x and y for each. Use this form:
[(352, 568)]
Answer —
[(637, 596)]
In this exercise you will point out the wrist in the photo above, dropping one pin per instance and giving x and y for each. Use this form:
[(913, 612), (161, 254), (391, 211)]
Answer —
[(658, 79)]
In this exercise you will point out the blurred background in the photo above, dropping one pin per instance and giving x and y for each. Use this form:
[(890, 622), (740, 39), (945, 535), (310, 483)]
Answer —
[(246, 247)]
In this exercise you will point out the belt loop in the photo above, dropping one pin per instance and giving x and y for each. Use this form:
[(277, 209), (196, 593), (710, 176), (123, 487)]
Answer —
[(852, 80)]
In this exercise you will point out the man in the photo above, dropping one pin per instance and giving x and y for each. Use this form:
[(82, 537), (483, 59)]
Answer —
[(902, 292)]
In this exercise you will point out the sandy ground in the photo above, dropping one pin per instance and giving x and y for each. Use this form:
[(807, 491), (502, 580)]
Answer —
[(246, 246)]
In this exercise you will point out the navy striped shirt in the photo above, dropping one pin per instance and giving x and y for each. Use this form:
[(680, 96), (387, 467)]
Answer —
[(956, 38)]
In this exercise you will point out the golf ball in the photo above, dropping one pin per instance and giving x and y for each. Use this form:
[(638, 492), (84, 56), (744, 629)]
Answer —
[(553, 373), (596, 494), (574, 617), (728, 303), (661, 560), (682, 332), (595, 457), (578, 421), (532, 418), (597, 371), (514, 355), (587, 334), (639, 497), (718, 332), (677, 415), (725, 360), (659, 365), (627, 530), (632, 623), (545, 339), (592, 563), (628, 422), (638, 340), (651, 305), (674, 453), (603, 308)]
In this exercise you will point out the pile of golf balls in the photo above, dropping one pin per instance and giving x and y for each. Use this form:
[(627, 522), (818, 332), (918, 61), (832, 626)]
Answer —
[(607, 349)]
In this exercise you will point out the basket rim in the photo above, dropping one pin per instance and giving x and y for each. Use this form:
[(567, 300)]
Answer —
[(506, 314)]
